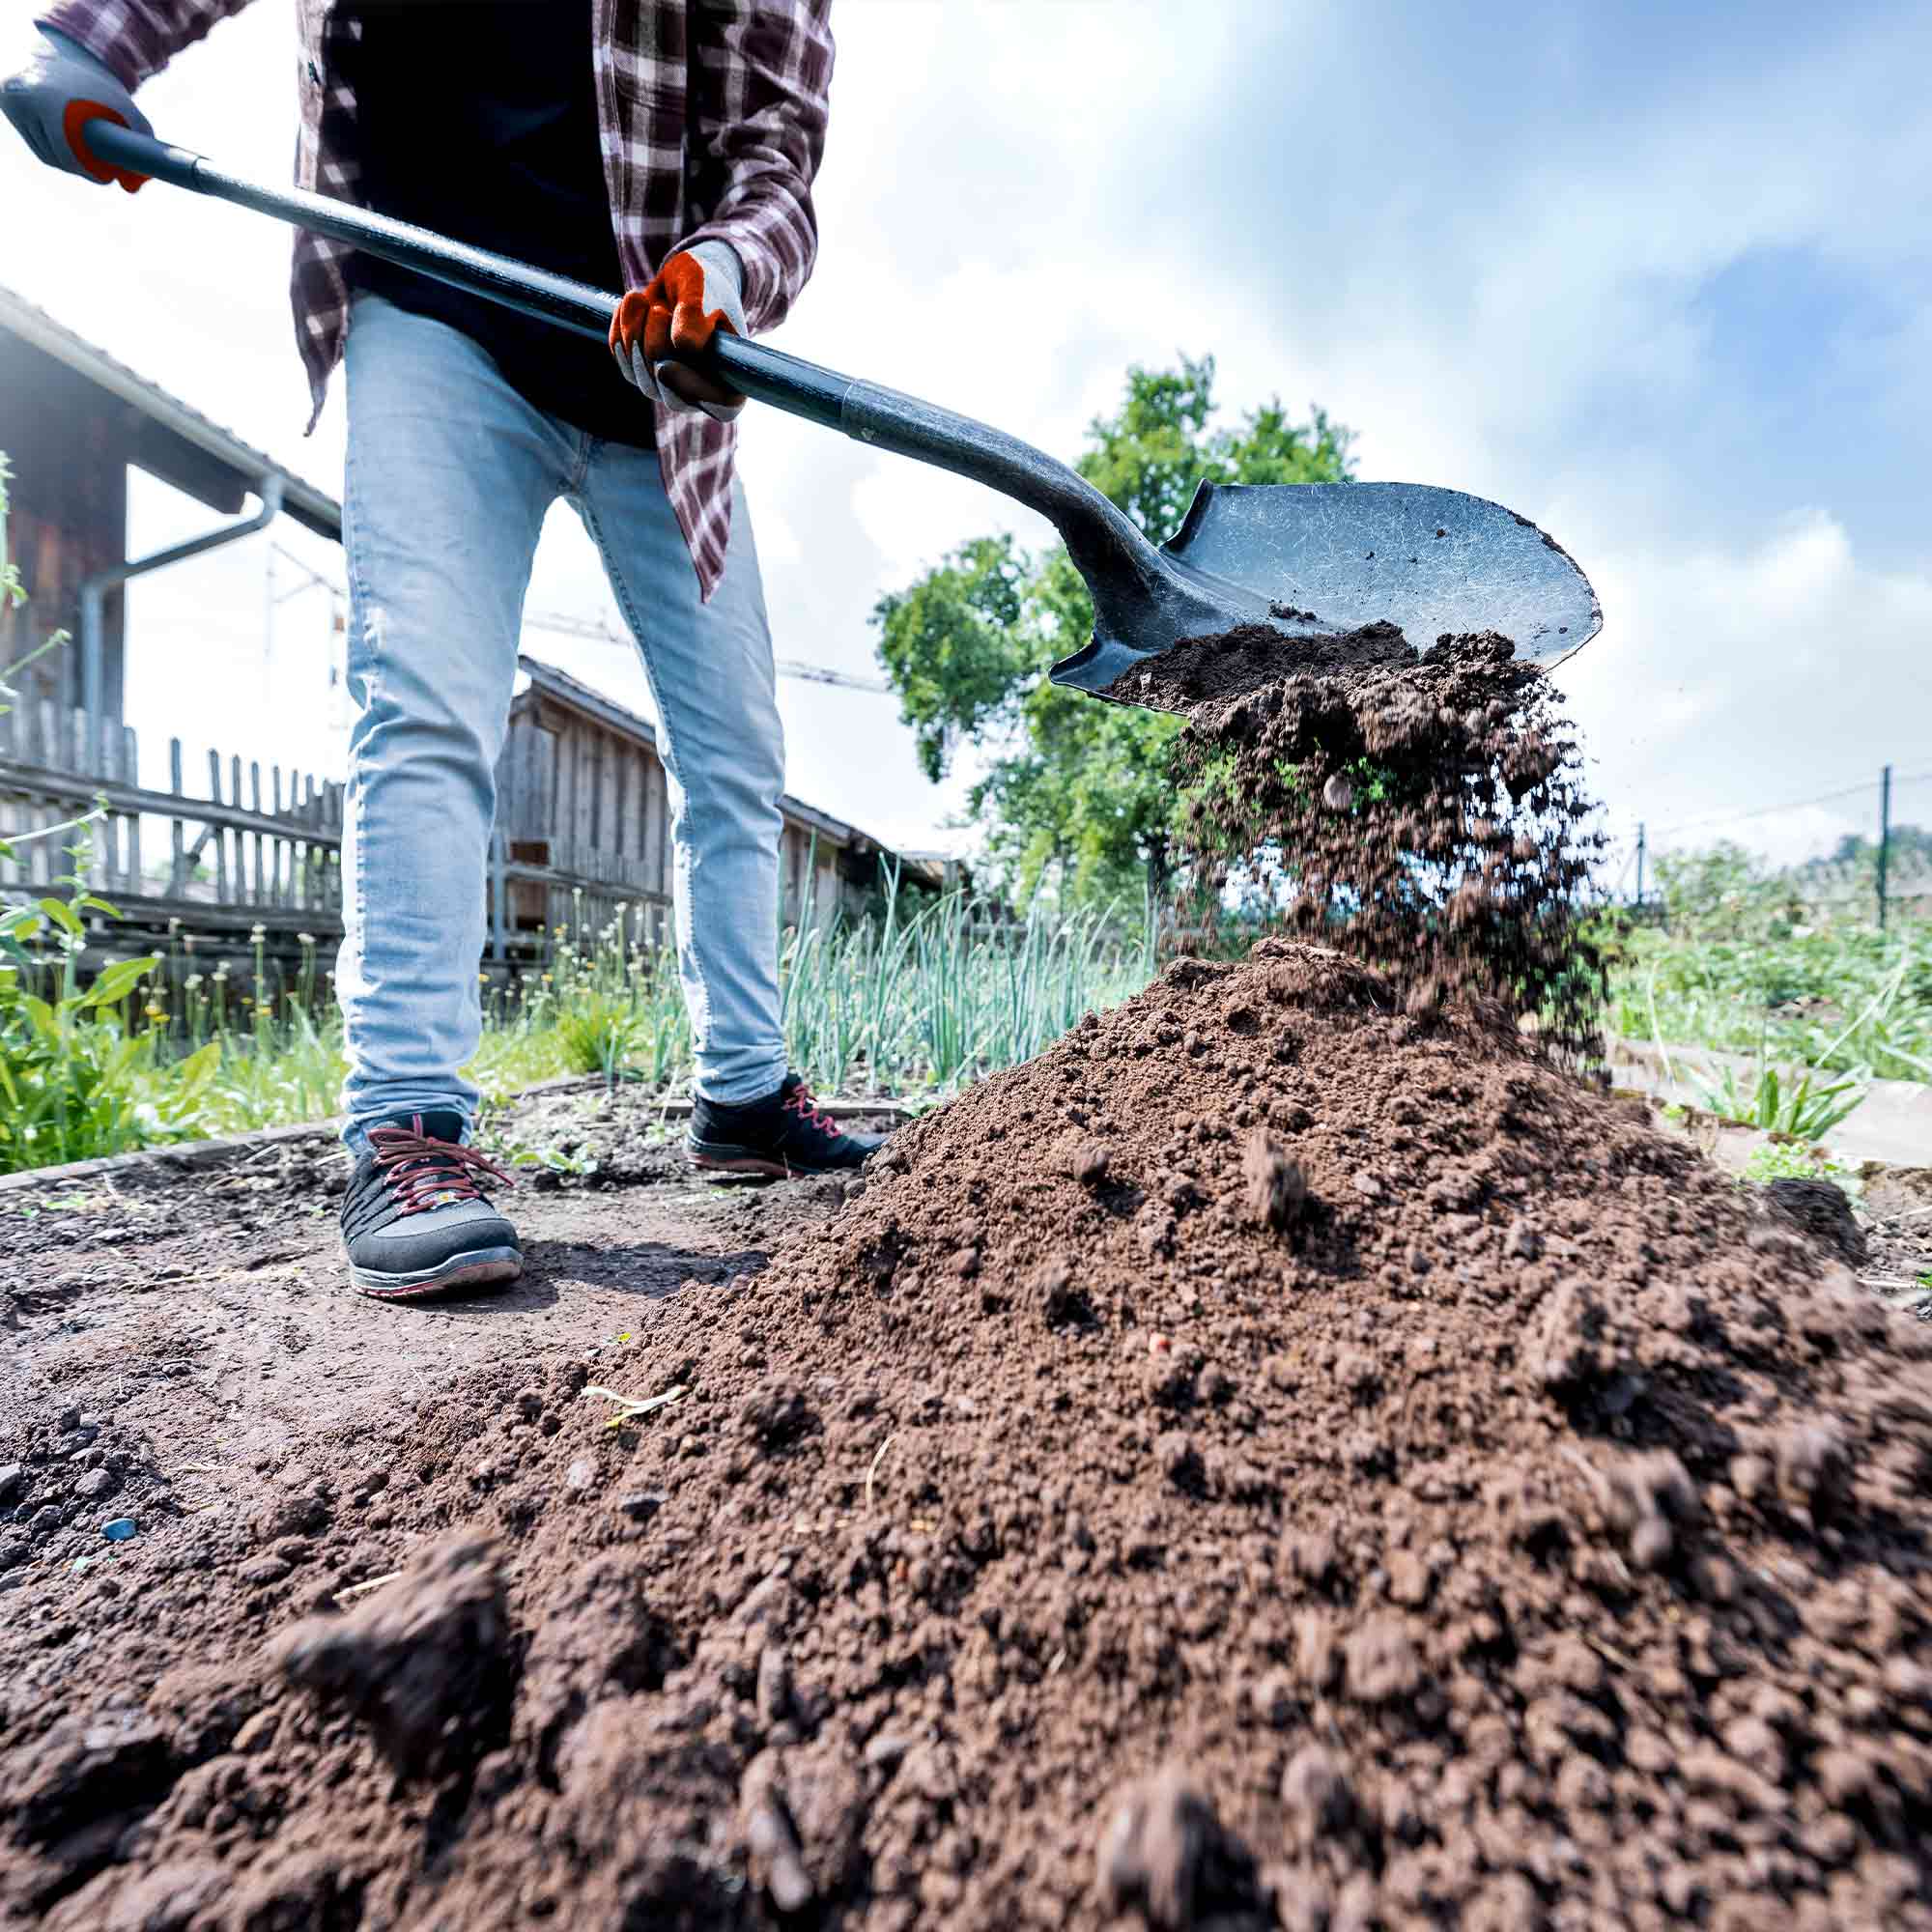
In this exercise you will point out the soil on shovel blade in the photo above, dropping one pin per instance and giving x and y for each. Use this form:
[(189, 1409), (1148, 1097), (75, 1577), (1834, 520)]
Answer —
[(1275, 1459), (1292, 1456), (1198, 670)]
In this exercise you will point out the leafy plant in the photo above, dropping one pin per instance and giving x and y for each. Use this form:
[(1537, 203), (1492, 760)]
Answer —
[(1840, 997), (73, 1067), (1791, 1105), (1779, 1160)]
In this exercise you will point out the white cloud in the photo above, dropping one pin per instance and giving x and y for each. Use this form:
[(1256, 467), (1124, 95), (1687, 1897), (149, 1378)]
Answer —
[(1734, 680), (1489, 243)]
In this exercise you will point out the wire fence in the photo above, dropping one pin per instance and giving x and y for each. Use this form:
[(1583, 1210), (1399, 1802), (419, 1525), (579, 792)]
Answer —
[(1881, 873)]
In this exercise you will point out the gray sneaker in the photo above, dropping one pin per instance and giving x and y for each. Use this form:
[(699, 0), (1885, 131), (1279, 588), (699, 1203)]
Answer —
[(415, 1220)]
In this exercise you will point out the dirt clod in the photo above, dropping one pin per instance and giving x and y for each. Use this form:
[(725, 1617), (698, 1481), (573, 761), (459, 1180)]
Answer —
[(1275, 1188), (424, 1664), (1162, 1850)]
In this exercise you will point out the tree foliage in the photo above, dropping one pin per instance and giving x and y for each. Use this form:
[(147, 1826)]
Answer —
[(1075, 793)]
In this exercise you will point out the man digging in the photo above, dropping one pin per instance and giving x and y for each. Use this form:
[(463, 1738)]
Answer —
[(667, 147)]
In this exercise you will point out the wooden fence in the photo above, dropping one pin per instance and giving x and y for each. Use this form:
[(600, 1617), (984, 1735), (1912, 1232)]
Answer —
[(247, 853), (260, 847)]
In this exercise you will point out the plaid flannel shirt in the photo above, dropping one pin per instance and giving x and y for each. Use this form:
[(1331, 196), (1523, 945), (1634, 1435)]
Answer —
[(711, 114)]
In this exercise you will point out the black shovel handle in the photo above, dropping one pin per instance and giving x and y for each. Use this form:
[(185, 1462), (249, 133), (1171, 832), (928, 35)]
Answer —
[(1099, 536)]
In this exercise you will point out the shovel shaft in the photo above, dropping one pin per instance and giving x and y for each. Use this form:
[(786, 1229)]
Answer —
[(1098, 537)]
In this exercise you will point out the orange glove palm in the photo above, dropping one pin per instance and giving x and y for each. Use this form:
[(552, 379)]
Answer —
[(671, 317)]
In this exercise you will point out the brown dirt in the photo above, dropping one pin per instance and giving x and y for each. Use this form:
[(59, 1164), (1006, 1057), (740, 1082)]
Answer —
[(1276, 1458), (1428, 813), (1198, 670)]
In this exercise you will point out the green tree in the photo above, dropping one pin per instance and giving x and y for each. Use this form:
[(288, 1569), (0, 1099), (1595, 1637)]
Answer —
[(1075, 793)]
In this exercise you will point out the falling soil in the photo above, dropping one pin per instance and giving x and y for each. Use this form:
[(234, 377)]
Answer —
[(1426, 813), (1278, 1458)]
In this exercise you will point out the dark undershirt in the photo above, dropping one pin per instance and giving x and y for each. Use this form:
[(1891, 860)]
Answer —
[(479, 119)]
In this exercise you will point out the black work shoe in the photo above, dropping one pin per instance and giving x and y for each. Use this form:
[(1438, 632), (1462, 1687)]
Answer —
[(782, 1135), (415, 1221)]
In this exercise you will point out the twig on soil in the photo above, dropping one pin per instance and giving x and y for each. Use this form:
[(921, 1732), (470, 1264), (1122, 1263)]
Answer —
[(1610, 1654), (632, 1406), (878, 1456), (362, 1589)]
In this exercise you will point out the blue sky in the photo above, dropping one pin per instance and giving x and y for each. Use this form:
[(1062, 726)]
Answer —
[(1660, 278)]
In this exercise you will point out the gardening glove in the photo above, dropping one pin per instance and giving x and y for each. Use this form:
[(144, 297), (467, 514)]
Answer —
[(52, 98), (695, 291)]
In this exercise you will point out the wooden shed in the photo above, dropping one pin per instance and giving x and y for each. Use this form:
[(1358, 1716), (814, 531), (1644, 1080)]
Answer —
[(73, 422), (584, 812), (584, 823)]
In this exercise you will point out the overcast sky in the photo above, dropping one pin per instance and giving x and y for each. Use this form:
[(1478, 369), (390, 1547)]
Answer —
[(1658, 278)]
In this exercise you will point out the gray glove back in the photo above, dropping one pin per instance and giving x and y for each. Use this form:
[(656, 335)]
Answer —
[(723, 285), (59, 73)]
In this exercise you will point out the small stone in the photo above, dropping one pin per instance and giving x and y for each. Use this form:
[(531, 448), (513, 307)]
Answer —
[(14, 1549), (69, 1418), (641, 1505), (96, 1483), (263, 1571), (580, 1477), (1366, 1185), (1409, 1580), (120, 1529), (1338, 794), (12, 1475), (45, 1520)]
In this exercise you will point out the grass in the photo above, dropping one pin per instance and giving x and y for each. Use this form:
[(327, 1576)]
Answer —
[(1781, 1161), (1841, 1000), (1742, 964), (1817, 1008), (916, 1002)]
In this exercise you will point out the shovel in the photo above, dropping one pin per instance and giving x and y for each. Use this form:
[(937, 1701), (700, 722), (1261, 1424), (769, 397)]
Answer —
[(1312, 560)]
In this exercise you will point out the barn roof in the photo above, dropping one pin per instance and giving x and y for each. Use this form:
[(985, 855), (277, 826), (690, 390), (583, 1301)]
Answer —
[(175, 442)]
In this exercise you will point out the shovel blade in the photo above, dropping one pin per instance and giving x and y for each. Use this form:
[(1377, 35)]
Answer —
[(1340, 557)]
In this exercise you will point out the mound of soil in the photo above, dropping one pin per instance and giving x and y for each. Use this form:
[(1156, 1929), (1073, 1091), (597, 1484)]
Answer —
[(1278, 1459)]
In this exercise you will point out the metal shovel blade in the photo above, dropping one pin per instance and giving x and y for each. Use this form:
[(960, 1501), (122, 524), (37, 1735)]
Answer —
[(1340, 557)]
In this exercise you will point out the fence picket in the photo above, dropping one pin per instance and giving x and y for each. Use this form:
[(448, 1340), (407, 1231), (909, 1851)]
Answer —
[(216, 831)]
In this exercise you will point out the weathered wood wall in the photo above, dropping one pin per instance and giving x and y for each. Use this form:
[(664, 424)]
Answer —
[(69, 446)]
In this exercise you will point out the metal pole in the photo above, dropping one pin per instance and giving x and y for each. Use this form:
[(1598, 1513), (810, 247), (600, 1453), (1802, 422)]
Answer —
[(94, 593), (1884, 838), (1640, 862)]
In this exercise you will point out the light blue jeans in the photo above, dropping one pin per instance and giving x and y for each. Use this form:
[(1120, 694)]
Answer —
[(450, 474)]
